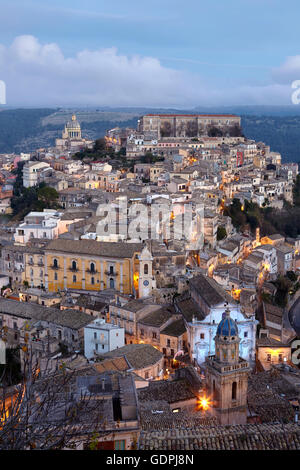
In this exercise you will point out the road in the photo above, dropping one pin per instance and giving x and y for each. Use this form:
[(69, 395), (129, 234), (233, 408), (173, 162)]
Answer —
[(294, 316)]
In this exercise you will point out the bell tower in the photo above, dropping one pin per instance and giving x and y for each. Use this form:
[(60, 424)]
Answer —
[(146, 282), (227, 375)]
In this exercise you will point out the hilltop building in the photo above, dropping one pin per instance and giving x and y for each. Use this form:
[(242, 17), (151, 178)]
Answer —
[(71, 139)]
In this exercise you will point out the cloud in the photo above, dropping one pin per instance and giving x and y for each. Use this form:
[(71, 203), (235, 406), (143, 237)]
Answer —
[(40, 75), (288, 71)]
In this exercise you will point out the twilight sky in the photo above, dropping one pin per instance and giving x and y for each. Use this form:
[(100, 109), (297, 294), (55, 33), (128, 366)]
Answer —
[(155, 53)]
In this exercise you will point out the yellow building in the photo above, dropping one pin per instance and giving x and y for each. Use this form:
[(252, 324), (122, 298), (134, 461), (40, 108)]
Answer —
[(91, 265), (34, 269)]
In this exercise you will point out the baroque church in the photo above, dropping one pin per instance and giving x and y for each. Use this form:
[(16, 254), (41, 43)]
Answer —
[(202, 308)]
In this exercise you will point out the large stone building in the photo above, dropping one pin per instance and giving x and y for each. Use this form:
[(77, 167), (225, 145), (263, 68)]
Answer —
[(94, 266), (71, 138), (187, 125)]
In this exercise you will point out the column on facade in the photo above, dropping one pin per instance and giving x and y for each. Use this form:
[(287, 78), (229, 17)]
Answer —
[(101, 278), (46, 273), (121, 277), (83, 274), (65, 273)]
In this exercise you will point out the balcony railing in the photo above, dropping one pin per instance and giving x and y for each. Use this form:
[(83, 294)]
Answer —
[(113, 274), (53, 266), (74, 270), (89, 271)]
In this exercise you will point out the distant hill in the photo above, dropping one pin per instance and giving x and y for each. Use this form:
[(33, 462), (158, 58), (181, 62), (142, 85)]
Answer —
[(24, 130)]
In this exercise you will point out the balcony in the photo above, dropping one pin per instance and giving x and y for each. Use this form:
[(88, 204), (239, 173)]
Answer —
[(53, 266), (111, 274), (73, 270), (89, 271)]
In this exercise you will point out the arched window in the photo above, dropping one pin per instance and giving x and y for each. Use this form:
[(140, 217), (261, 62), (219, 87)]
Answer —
[(111, 283), (92, 267), (146, 269), (93, 280), (55, 276), (74, 265), (234, 388), (55, 263), (74, 279)]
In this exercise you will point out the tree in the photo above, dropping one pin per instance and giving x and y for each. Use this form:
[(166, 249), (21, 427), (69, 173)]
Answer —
[(45, 413), (47, 195), (221, 233)]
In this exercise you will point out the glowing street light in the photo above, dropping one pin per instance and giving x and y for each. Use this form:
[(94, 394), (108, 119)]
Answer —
[(204, 403)]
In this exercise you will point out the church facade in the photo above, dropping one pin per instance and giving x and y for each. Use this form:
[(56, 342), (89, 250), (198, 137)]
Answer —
[(202, 308), (71, 138)]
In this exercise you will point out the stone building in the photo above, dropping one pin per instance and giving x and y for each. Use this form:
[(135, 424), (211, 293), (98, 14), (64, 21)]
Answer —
[(186, 125)]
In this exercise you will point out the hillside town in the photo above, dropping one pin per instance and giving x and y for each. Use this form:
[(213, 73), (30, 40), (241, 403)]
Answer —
[(146, 267)]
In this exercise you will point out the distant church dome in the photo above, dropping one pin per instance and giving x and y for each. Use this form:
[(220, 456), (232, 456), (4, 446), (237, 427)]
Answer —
[(72, 130), (74, 124), (227, 326)]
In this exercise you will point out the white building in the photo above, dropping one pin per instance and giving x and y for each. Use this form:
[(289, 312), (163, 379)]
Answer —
[(46, 224), (285, 258), (32, 173), (101, 337), (202, 309), (269, 257)]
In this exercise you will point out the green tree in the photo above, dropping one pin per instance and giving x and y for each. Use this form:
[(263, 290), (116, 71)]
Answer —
[(221, 233), (47, 195)]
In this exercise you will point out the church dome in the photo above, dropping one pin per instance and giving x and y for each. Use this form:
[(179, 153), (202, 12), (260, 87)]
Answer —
[(227, 326), (74, 124)]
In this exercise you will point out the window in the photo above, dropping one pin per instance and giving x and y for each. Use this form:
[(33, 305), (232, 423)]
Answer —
[(172, 352), (202, 335), (93, 280), (246, 334), (280, 357), (120, 445), (168, 343), (95, 335), (74, 265), (153, 335), (146, 269), (269, 357), (74, 279), (55, 263), (55, 276), (234, 388), (111, 270), (92, 267), (59, 334), (147, 375)]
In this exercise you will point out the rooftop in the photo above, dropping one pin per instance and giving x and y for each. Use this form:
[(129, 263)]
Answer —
[(138, 356), (94, 248)]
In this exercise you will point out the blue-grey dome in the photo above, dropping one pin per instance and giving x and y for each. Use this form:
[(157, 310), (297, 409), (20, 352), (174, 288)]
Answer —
[(227, 327)]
